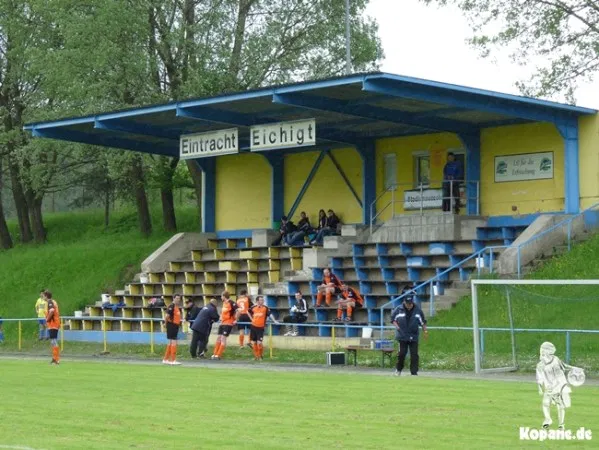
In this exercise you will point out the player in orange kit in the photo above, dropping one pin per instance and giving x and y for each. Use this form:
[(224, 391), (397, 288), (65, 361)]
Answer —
[(350, 300), (173, 323), (227, 320), (259, 313), (331, 285), (53, 324), (243, 306)]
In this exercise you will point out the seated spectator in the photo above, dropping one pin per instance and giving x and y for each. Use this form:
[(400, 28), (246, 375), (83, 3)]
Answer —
[(296, 239), (1, 331), (287, 227), (191, 310), (299, 314), (350, 299), (156, 302), (330, 228), (115, 306), (331, 285)]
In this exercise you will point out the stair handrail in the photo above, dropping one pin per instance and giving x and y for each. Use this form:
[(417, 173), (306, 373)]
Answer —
[(479, 253)]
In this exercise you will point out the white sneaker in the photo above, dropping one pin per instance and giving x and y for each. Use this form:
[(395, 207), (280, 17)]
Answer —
[(294, 334), (397, 373), (289, 333), (164, 361), (175, 363)]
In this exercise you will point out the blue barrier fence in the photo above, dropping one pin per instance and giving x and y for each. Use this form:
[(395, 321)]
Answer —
[(483, 331)]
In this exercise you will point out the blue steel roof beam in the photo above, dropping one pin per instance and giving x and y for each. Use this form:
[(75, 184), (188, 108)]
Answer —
[(105, 141), (372, 112), (463, 99), (140, 129), (218, 116)]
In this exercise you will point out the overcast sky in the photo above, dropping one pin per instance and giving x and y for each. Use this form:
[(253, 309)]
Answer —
[(430, 42)]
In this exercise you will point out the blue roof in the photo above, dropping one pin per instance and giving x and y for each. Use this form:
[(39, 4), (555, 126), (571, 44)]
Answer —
[(347, 109)]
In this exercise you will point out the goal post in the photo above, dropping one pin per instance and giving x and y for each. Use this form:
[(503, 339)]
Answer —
[(513, 305)]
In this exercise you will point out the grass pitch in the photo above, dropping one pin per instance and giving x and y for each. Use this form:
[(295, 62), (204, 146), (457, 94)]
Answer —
[(117, 405)]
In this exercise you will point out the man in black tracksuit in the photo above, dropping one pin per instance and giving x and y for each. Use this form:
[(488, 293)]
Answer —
[(192, 311), (407, 319), (201, 327)]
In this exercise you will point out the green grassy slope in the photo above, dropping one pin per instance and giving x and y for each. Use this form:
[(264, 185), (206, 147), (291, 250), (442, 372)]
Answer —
[(80, 259), (543, 307)]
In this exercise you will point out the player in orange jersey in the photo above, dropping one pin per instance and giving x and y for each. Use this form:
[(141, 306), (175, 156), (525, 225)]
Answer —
[(227, 320), (53, 324), (243, 306), (259, 313), (330, 285), (173, 323), (350, 299)]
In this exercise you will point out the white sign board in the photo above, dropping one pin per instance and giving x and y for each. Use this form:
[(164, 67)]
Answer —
[(212, 143), (523, 167), (299, 133), (425, 198)]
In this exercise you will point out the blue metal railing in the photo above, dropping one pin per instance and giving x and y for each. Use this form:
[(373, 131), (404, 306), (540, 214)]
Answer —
[(491, 250), (483, 331)]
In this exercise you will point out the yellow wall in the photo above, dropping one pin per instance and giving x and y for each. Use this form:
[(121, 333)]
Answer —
[(527, 196), (436, 144), (327, 190), (243, 192), (589, 160)]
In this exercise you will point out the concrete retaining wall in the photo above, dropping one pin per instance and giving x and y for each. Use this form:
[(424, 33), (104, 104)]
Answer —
[(508, 261), (176, 248), (428, 227)]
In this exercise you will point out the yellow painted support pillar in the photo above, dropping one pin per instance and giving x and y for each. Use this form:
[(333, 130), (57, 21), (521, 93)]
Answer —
[(152, 336), (270, 339), (61, 335)]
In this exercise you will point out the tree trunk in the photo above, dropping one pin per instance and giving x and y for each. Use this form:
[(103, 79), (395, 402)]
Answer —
[(141, 199), (37, 219), (107, 208), (5, 238), (168, 209), (20, 204), (196, 176)]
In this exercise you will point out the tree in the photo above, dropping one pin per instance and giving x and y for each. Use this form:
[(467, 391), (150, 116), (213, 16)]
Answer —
[(5, 237), (563, 34)]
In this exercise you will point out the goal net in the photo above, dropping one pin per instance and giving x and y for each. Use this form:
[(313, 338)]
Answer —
[(512, 318)]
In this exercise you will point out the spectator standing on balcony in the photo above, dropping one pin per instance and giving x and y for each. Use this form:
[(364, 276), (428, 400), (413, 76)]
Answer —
[(453, 175), (227, 321), (41, 309), (287, 227), (299, 314), (330, 228), (173, 323), (303, 229), (201, 328), (407, 319), (53, 324)]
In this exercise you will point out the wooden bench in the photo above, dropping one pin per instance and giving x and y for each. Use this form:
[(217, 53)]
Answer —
[(385, 353)]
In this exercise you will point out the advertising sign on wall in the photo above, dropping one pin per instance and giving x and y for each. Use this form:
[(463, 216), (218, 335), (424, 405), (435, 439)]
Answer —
[(524, 167)]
